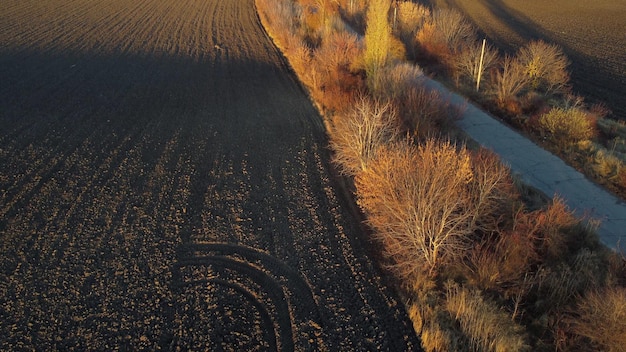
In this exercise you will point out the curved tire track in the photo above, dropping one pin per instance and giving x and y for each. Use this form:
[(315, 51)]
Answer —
[(272, 275)]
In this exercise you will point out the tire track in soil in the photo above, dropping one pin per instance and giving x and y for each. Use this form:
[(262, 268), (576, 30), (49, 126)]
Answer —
[(165, 184), (288, 292)]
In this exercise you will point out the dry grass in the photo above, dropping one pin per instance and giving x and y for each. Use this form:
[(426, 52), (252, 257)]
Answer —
[(602, 318), (486, 326)]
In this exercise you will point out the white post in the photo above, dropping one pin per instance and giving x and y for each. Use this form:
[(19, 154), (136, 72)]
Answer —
[(480, 66)]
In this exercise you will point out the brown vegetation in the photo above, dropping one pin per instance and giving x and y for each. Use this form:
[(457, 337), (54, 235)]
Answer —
[(359, 136), (601, 318), (418, 201), (476, 265)]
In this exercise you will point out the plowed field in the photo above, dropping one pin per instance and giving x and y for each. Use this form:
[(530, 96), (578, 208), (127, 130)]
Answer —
[(592, 34), (164, 184)]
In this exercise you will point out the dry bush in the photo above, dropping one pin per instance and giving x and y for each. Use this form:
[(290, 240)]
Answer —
[(417, 200), (606, 165), (445, 35), (487, 327), (508, 80), (357, 137), (566, 126), (411, 18), (454, 28), (602, 318), (318, 19), (495, 263), (398, 78), (546, 67), (336, 81), (552, 224), (425, 112), (503, 260), (300, 57), (492, 191), (280, 17), (467, 62)]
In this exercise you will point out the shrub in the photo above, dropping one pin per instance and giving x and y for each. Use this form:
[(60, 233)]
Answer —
[(509, 80), (566, 126), (491, 189), (411, 18), (280, 18), (445, 35), (398, 78), (357, 137), (426, 113), (467, 61), (378, 41), (602, 318), (486, 326), (336, 81), (606, 165), (551, 225), (416, 198), (546, 67)]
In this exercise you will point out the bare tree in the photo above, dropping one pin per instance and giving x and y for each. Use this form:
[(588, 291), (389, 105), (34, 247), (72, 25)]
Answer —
[(467, 62), (509, 79), (357, 137), (417, 200), (455, 29)]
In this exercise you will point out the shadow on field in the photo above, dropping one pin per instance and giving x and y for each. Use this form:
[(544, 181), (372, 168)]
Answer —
[(121, 88), (589, 78)]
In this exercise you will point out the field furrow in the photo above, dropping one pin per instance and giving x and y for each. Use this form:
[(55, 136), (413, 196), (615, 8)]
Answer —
[(165, 185)]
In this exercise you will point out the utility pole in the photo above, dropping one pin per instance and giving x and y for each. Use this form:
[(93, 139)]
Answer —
[(480, 65)]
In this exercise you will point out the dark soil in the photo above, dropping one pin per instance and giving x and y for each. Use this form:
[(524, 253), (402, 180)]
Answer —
[(164, 184)]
